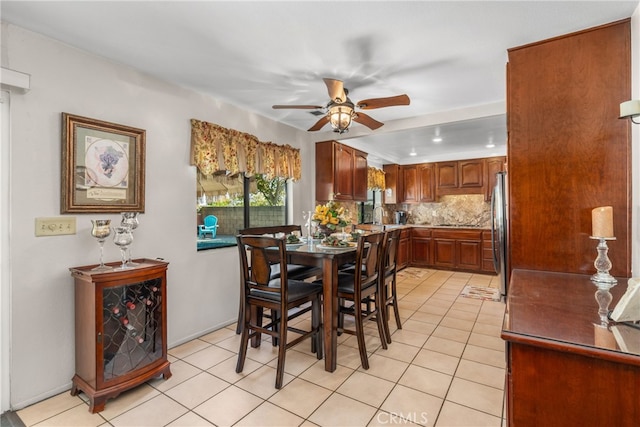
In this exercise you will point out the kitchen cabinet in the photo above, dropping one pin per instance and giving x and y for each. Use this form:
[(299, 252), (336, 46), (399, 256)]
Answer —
[(393, 192), (120, 329), (426, 175), (567, 151), (341, 172), (404, 248), (421, 252), (493, 165), (417, 183), (460, 177), (457, 249), (410, 184), (564, 368), (487, 253)]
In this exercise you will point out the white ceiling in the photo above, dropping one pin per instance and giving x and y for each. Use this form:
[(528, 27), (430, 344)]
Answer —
[(448, 56)]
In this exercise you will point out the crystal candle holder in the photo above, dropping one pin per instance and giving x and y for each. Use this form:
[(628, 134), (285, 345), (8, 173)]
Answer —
[(602, 279)]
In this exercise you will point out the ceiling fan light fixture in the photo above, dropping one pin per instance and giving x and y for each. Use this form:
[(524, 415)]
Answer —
[(340, 116)]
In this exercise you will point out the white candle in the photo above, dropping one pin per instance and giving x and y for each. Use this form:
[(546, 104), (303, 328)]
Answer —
[(602, 222)]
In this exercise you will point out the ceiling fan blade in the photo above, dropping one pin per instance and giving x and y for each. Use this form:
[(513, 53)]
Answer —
[(336, 90), (369, 104), (366, 120), (319, 124), (300, 107)]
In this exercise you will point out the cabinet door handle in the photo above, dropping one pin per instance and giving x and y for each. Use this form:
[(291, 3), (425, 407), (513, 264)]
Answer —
[(99, 338)]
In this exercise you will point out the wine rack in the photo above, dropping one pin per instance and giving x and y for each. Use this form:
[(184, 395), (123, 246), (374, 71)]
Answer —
[(120, 329)]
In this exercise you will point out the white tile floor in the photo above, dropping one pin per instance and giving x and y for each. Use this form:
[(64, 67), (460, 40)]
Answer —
[(444, 368)]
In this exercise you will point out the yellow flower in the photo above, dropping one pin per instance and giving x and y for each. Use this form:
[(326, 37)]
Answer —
[(331, 215)]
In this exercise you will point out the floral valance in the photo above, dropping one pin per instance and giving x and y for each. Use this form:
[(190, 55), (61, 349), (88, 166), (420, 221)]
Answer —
[(375, 179), (215, 148)]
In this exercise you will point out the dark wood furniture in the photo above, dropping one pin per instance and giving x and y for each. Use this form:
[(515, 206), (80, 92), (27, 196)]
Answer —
[(120, 329), (329, 260), (457, 249), (259, 293), (404, 248), (425, 182), (341, 172), (563, 367), (568, 152), (363, 284), (388, 279), (421, 247)]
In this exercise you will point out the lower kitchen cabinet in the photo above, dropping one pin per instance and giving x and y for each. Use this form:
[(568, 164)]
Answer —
[(404, 248), (421, 252), (487, 253), (457, 249)]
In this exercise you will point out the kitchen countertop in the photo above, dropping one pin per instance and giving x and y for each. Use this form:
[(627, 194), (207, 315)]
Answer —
[(455, 227)]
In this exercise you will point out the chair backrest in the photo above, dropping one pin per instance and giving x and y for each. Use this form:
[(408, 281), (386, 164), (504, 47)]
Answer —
[(368, 255), (271, 230), (210, 221), (257, 256), (390, 252)]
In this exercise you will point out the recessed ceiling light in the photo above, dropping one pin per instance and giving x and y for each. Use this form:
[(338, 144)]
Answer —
[(437, 139), (491, 145), (413, 153)]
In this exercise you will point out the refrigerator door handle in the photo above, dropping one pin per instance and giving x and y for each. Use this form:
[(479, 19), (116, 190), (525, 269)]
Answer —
[(494, 245)]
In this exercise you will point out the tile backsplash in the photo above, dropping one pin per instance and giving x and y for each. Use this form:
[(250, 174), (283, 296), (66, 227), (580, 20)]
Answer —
[(470, 209)]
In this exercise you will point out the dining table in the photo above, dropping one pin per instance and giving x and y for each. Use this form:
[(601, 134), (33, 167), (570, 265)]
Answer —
[(329, 259)]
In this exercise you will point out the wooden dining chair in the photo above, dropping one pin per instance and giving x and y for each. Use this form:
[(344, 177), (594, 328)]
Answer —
[(280, 295), (294, 271), (388, 272), (362, 290)]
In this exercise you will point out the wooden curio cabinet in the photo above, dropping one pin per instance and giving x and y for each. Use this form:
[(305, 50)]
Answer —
[(121, 329)]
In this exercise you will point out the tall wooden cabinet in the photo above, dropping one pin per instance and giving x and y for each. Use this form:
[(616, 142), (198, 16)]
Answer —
[(121, 329), (568, 152), (341, 172)]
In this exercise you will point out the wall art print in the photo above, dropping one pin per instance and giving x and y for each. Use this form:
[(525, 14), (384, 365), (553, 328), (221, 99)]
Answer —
[(102, 166)]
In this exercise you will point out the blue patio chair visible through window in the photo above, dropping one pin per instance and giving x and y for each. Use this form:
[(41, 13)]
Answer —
[(210, 227)]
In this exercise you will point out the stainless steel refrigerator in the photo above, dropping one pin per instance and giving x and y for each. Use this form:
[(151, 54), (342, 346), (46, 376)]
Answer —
[(499, 230)]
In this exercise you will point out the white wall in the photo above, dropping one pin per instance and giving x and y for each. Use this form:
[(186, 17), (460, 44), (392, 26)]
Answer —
[(202, 286)]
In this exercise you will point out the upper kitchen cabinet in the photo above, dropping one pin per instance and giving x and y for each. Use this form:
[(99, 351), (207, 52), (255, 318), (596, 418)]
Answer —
[(568, 152), (493, 165), (460, 177), (417, 183), (341, 172), (393, 183)]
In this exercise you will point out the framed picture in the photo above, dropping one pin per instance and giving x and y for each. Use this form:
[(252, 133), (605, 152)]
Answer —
[(102, 166)]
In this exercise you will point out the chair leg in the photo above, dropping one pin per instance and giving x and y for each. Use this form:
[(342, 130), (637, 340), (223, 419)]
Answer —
[(282, 349), (396, 312), (240, 323), (316, 325), (256, 313), (360, 335), (244, 341), (385, 322), (383, 327)]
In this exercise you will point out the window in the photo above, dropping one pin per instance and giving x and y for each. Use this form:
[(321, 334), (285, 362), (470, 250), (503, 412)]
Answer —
[(238, 202)]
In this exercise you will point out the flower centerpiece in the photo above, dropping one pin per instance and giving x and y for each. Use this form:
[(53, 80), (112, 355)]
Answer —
[(330, 217)]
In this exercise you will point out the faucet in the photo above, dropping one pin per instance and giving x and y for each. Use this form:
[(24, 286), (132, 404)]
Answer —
[(375, 215)]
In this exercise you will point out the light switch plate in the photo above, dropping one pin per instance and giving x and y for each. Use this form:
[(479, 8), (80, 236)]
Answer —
[(55, 226)]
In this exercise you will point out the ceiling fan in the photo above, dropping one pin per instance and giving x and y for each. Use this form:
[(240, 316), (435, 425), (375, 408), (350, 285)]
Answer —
[(341, 110)]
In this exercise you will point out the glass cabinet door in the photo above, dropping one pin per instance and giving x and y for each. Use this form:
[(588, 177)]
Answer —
[(131, 327)]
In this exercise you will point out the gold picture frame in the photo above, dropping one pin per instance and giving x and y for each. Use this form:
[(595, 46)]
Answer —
[(103, 166)]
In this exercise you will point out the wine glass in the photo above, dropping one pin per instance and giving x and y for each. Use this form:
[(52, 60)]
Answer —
[(123, 237), (130, 219), (306, 216), (101, 230)]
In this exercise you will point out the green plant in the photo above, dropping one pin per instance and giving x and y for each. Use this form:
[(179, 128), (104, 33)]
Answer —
[(273, 190)]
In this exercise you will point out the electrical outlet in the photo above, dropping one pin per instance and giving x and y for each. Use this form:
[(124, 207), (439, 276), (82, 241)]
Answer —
[(55, 226)]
